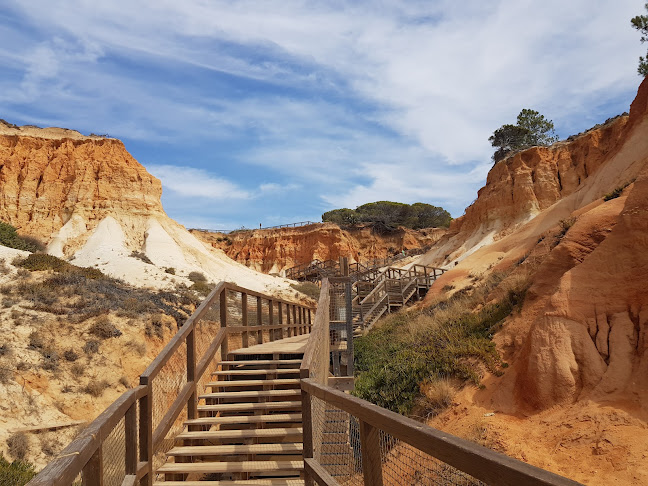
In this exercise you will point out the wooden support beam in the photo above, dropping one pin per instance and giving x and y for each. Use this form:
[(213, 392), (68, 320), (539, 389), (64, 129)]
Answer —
[(370, 446), (130, 429), (192, 403), (223, 322), (244, 319), (92, 474), (260, 320)]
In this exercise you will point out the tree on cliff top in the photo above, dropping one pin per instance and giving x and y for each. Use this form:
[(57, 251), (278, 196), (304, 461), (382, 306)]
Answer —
[(640, 22), (391, 214), (531, 129)]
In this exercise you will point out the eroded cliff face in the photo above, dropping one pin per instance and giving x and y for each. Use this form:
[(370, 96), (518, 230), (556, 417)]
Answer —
[(44, 181), (88, 199), (523, 186), (274, 250)]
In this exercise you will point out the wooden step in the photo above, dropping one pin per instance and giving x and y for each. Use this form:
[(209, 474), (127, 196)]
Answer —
[(253, 394), (246, 419), (235, 466), (238, 482), (246, 407), (278, 371), (257, 362), (281, 448), (241, 434), (236, 383)]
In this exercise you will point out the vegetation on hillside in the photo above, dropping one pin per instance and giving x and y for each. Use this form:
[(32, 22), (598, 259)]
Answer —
[(640, 22), (16, 473), (531, 129), (9, 237), (391, 215), (450, 339)]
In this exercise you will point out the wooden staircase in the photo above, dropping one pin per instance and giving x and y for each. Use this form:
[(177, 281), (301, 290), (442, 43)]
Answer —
[(249, 430)]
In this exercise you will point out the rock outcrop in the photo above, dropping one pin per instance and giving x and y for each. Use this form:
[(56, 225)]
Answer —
[(273, 250), (89, 200)]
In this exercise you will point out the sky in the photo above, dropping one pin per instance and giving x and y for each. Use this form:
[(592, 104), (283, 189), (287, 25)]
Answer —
[(272, 112)]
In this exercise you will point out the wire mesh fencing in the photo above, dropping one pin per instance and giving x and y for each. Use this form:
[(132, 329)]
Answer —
[(114, 455)]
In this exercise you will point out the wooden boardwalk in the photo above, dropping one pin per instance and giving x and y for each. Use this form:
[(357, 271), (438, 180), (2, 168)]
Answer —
[(291, 345)]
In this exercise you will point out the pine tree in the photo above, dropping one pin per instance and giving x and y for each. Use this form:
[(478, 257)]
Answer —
[(640, 22)]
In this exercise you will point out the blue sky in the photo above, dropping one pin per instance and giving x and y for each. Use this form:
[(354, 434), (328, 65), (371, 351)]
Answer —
[(273, 112)]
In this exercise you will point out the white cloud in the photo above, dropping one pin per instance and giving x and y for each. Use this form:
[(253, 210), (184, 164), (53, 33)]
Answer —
[(361, 100), (196, 183)]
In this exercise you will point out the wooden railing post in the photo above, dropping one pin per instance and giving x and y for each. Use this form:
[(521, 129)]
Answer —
[(310, 321), (223, 322), (244, 319), (294, 318), (271, 319), (280, 309), (146, 433), (289, 328), (299, 312), (192, 404), (260, 320), (130, 432), (93, 470), (307, 425), (370, 446)]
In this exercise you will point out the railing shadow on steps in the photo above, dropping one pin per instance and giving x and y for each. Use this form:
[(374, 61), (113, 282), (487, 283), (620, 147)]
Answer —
[(351, 441), (126, 443)]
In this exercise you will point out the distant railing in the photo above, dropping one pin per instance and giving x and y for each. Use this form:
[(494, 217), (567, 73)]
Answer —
[(289, 225), (127, 443)]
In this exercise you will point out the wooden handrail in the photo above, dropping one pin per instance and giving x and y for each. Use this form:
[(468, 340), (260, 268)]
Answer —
[(481, 463), (85, 452), (64, 468)]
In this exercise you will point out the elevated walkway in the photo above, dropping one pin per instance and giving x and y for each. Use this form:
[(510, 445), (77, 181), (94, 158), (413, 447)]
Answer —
[(250, 392)]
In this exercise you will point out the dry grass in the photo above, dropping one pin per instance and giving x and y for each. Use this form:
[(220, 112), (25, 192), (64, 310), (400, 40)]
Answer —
[(18, 446), (96, 387), (103, 328)]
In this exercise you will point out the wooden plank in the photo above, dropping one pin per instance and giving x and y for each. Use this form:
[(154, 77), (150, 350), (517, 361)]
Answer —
[(480, 462), (241, 434), (235, 482), (260, 320), (247, 419), (232, 466), (246, 406), (316, 472), (223, 450), (237, 383), (253, 394), (263, 362), (307, 425), (370, 448)]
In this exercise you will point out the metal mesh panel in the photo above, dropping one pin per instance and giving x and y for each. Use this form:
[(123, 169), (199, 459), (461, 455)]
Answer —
[(336, 442), (114, 456), (337, 447), (168, 383), (206, 328), (159, 454), (404, 464)]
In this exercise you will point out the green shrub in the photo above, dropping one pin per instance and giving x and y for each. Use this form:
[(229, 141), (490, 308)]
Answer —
[(446, 340), (17, 473), (308, 288), (617, 192), (104, 329), (197, 277), (41, 261), (9, 237)]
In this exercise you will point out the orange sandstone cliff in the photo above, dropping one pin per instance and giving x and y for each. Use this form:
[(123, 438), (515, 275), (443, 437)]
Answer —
[(576, 387), (273, 250)]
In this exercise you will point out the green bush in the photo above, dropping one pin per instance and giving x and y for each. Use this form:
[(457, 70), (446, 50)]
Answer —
[(446, 340), (9, 237), (308, 288), (391, 215), (17, 473), (41, 261), (617, 192)]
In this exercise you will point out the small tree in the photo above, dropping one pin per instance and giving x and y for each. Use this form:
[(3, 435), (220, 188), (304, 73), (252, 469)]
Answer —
[(531, 129), (640, 22)]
